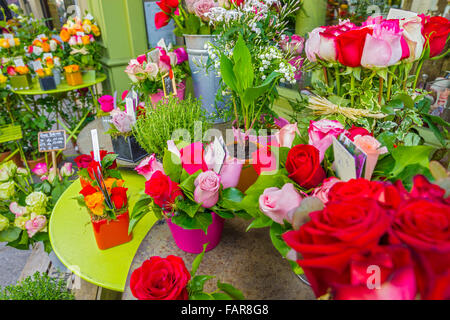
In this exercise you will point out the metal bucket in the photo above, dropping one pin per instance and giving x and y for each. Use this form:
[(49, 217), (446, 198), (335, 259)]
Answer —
[(206, 82)]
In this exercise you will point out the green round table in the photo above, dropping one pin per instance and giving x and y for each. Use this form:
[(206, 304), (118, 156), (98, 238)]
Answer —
[(73, 241)]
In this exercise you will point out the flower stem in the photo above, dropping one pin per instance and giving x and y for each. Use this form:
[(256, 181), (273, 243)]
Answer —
[(416, 78), (352, 88), (325, 76), (338, 80), (389, 85), (380, 91)]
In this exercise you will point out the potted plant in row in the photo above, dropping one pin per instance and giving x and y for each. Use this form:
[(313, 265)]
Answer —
[(73, 75), (20, 77), (46, 79), (148, 71), (104, 195), (120, 127), (192, 195)]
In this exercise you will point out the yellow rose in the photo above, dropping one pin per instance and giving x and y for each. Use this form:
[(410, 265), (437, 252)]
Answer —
[(95, 30), (95, 203), (3, 79)]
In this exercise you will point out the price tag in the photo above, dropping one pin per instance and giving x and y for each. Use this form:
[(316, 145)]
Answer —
[(19, 62), (8, 36), (79, 33), (219, 153), (130, 108), (95, 146), (52, 140), (41, 36), (400, 14), (37, 65), (344, 163), (153, 56), (89, 17), (161, 43), (47, 55)]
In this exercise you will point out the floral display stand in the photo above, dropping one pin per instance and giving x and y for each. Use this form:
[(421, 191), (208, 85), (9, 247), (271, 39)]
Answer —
[(72, 239), (64, 87)]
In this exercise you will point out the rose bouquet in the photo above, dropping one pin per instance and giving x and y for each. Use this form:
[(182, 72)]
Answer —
[(104, 195), (189, 16), (189, 190), (361, 74), (73, 75), (150, 281), (48, 45), (25, 208), (82, 49), (146, 72), (374, 240)]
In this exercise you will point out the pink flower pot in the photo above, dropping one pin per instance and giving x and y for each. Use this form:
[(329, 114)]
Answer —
[(192, 241), (156, 97)]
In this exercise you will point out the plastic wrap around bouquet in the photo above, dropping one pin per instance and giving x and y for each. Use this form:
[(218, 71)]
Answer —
[(105, 197), (195, 190)]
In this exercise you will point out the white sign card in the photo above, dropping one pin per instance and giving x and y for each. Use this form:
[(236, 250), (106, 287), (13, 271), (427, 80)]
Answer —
[(41, 36), (130, 108), (162, 43), (8, 36), (37, 65), (95, 146), (400, 14), (47, 55), (19, 62), (89, 17), (344, 162), (79, 33)]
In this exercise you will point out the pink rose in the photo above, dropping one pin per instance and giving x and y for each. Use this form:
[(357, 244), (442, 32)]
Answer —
[(322, 191), (293, 45), (312, 45), (67, 170), (280, 204), (182, 55), (321, 134), (142, 58), (148, 166), (231, 172), (18, 210), (40, 169), (106, 103), (121, 120), (412, 32), (135, 71), (383, 47), (372, 147), (192, 158), (286, 135), (124, 94), (152, 70), (35, 225), (203, 6), (207, 186)]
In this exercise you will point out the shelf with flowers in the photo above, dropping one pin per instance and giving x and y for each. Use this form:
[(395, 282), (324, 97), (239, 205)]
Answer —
[(146, 72), (361, 75), (25, 207), (83, 48), (337, 226), (105, 197), (191, 193), (149, 281)]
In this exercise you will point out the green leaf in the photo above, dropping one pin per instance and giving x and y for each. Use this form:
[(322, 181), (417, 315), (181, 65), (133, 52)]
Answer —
[(221, 296), (387, 139), (227, 73), (202, 220), (226, 214), (253, 93), (243, 66), (108, 160), (230, 290), (261, 222), (410, 171), (197, 283), (10, 234), (114, 174), (404, 156), (172, 166), (201, 296), (198, 259), (276, 230), (188, 185), (140, 209), (188, 206), (192, 24), (408, 102)]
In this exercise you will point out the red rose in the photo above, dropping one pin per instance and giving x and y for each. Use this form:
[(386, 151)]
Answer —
[(237, 2), (385, 193), (424, 226), (422, 189), (396, 276), (436, 30), (93, 169), (103, 153), (87, 190), (161, 279), (119, 197), (83, 161), (303, 165), (168, 6), (333, 236), (163, 190), (263, 160), (350, 45), (192, 157), (355, 131), (11, 71), (161, 19)]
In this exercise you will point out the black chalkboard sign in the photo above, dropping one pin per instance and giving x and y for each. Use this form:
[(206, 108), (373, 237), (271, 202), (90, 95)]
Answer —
[(52, 140), (169, 86)]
